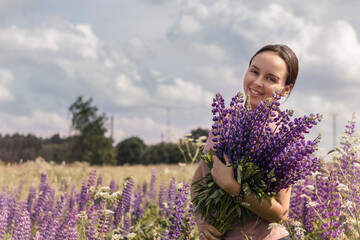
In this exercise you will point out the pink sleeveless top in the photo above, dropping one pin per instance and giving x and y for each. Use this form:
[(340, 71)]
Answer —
[(256, 228)]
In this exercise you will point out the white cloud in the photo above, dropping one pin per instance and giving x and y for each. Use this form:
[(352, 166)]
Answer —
[(58, 37), (40, 123), (129, 94), (182, 92), (344, 48), (6, 77)]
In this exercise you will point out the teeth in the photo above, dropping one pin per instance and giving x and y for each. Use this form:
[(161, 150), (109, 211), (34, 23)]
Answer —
[(255, 92)]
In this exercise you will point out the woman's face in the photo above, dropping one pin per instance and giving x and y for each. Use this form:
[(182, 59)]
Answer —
[(266, 74)]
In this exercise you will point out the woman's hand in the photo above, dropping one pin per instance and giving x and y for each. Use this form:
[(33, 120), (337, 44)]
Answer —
[(224, 176), (206, 230)]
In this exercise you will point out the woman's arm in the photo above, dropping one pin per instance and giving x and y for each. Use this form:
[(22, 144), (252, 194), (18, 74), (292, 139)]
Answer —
[(277, 211)]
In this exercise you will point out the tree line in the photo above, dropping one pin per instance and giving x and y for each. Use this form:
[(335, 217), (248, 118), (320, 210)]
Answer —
[(90, 143)]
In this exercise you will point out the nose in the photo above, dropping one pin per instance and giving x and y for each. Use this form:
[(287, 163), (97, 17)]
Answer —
[(258, 81)]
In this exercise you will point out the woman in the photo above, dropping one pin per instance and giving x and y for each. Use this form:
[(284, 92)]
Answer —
[(272, 68)]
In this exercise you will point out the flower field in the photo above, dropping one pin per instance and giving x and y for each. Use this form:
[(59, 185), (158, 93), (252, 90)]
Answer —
[(40, 200)]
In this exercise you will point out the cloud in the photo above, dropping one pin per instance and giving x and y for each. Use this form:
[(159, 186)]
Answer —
[(148, 129), (38, 122), (6, 77), (182, 92), (344, 48), (170, 55)]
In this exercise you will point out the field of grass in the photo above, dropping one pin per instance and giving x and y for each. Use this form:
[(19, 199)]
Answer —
[(29, 173)]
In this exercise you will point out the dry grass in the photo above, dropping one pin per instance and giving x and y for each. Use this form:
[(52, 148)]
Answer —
[(74, 174)]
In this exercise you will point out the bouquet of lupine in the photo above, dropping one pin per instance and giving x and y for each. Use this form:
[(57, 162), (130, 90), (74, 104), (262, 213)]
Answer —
[(266, 149)]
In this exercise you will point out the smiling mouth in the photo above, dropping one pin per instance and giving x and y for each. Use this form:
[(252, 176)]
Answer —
[(255, 92)]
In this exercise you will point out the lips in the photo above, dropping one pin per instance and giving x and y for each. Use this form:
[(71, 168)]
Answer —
[(254, 92)]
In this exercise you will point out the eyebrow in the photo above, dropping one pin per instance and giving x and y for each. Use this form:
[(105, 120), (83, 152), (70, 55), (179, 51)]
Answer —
[(273, 75)]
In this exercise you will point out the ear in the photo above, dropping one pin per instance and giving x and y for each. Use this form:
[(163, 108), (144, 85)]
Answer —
[(286, 90)]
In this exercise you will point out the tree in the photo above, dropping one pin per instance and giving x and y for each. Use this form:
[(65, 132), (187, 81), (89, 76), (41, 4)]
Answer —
[(91, 144), (130, 150), (196, 133), (167, 153)]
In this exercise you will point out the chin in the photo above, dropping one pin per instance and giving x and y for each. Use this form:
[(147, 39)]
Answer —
[(254, 104)]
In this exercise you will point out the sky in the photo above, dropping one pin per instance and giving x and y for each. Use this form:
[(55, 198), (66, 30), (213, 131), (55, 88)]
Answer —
[(155, 65)]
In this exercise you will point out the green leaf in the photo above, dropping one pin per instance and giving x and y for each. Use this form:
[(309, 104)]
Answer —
[(239, 173), (246, 188)]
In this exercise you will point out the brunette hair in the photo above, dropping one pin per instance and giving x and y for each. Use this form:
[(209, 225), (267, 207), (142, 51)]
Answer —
[(289, 58)]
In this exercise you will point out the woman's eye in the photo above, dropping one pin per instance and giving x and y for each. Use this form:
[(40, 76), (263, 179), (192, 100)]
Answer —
[(271, 79), (254, 71)]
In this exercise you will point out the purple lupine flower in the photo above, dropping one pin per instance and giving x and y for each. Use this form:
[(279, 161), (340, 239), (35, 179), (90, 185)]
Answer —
[(54, 219), (280, 153), (189, 223), (152, 192), (12, 211), (22, 225), (103, 226), (50, 199), (171, 196), (67, 228), (3, 220), (86, 191), (124, 204), (99, 181), (144, 189), (137, 207), (31, 197), (91, 228), (3, 199), (178, 214), (40, 203), (127, 225), (112, 185), (45, 224), (71, 201), (162, 199)]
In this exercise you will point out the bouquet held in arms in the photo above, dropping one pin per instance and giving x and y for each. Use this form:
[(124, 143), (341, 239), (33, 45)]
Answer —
[(266, 150)]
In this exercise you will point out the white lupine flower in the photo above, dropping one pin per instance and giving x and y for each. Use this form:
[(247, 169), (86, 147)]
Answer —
[(105, 189), (305, 196), (82, 215), (131, 235), (299, 182), (116, 237), (108, 212), (274, 225), (312, 204), (299, 232), (179, 185), (348, 204), (296, 223), (165, 204), (114, 196), (356, 164), (310, 187), (342, 187), (342, 236)]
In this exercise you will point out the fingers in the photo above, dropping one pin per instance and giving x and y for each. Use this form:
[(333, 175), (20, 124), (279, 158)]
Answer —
[(217, 160), (207, 231), (226, 159), (214, 231)]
